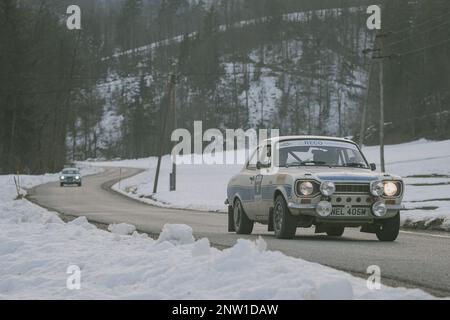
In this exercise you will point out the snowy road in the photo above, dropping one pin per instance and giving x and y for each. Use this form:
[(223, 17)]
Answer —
[(415, 259)]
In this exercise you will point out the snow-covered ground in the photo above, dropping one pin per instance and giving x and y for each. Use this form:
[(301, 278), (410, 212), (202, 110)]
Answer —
[(41, 257), (425, 166)]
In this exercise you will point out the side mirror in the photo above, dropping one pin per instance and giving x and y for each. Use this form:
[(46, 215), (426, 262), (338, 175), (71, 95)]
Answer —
[(260, 165), (373, 167)]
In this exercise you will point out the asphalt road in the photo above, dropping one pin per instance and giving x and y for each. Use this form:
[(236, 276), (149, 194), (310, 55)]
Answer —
[(416, 259)]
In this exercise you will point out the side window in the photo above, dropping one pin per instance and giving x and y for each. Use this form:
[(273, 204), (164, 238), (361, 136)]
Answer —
[(251, 165), (265, 155), (354, 156)]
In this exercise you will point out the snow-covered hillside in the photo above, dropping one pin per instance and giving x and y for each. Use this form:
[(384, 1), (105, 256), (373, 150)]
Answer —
[(289, 84), (425, 166), (39, 254)]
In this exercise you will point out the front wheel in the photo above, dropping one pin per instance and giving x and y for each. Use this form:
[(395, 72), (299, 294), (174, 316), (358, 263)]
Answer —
[(389, 229), (284, 223), (61, 184), (242, 224)]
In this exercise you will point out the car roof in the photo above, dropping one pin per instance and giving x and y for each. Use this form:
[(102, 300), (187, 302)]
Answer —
[(70, 169)]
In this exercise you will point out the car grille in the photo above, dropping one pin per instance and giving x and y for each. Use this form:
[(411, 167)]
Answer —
[(359, 188)]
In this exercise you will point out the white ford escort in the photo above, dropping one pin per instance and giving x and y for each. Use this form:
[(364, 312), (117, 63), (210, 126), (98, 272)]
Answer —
[(301, 181)]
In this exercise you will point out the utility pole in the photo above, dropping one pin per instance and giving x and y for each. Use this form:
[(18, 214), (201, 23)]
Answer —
[(381, 76), (362, 130), (120, 177), (379, 49), (380, 37), (163, 136), (173, 102)]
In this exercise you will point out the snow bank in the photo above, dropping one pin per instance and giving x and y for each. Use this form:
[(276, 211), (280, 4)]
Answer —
[(176, 234), (122, 228), (37, 249)]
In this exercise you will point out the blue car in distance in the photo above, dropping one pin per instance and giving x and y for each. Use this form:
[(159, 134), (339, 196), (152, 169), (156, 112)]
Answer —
[(70, 176)]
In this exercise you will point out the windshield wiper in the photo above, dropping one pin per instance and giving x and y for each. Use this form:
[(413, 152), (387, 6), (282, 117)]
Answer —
[(312, 162), (303, 163), (355, 164)]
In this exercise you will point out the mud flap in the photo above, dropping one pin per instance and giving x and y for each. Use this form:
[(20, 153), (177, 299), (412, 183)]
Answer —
[(231, 227)]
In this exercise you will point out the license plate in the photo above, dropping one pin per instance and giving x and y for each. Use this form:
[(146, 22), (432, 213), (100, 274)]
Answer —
[(349, 212)]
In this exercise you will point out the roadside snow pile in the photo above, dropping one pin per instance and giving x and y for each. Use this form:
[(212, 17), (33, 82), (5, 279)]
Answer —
[(176, 234), (425, 166), (37, 249), (122, 229), (82, 222)]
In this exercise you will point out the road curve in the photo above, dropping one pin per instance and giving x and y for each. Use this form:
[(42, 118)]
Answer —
[(415, 260)]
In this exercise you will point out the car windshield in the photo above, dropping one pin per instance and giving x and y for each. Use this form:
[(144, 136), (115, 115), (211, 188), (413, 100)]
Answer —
[(320, 153), (70, 171)]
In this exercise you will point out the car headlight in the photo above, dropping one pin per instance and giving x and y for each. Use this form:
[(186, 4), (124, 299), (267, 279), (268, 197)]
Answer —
[(77, 177), (62, 177), (390, 188), (379, 209), (377, 188), (327, 188), (306, 188)]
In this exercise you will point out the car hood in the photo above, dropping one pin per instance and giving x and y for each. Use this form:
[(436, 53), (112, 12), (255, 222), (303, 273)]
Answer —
[(337, 174)]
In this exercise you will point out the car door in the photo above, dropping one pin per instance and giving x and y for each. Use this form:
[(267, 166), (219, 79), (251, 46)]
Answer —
[(248, 185), (263, 183)]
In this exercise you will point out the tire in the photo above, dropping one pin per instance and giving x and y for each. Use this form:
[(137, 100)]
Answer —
[(242, 224), (336, 231), (61, 184), (284, 223), (390, 229), (79, 184)]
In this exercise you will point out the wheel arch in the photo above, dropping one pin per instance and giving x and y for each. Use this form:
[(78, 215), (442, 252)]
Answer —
[(279, 191), (234, 198)]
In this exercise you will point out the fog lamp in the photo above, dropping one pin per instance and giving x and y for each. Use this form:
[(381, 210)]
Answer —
[(324, 208), (379, 209)]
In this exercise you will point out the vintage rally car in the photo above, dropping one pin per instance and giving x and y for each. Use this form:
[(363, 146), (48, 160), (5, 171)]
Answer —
[(301, 181), (70, 176)]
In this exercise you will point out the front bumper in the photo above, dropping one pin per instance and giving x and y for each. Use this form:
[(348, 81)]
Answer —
[(70, 181), (310, 210)]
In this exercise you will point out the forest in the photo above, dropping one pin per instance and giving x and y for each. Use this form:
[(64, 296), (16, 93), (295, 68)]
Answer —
[(300, 66)]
